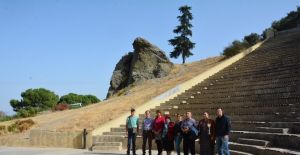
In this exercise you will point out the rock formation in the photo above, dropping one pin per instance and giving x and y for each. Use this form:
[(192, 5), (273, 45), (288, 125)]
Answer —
[(146, 62)]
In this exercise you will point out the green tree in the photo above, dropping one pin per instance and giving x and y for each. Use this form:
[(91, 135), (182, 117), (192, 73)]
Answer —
[(72, 98), (292, 20), (182, 43), (252, 39), (234, 48), (34, 100)]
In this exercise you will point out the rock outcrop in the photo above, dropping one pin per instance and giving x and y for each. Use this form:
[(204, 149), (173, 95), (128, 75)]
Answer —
[(146, 62)]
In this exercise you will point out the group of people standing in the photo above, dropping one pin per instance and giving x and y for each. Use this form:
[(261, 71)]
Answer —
[(166, 133)]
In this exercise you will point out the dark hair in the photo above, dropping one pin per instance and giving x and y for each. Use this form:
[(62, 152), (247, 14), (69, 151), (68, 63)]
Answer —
[(177, 115), (132, 110), (168, 117), (158, 111), (219, 108)]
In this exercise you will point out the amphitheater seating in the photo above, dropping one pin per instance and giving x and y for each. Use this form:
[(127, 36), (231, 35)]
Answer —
[(260, 93)]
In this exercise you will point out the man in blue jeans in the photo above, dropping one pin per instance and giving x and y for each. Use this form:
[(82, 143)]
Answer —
[(223, 127), (132, 129)]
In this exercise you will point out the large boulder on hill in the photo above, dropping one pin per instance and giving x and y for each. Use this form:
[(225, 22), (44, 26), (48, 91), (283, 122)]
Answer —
[(147, 61)]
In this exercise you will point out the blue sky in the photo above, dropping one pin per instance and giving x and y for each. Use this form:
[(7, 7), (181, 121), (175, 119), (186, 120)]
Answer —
[(73, 45)]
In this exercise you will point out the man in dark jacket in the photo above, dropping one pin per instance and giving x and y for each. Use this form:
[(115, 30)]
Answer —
[(223, 127)]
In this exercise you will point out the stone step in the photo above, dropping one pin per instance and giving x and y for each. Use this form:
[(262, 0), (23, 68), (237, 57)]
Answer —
[(115, 133), (259, 150), (108, 144), (288, 141), (108, 138), (272, 130), (253, 142), (106, 148), (119, 129), (233, 152), (253, 149)]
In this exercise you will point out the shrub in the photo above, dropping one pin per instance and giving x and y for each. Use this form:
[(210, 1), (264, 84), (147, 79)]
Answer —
[(234, 48), (252, 39), (29, 112), (12, 128), (2, 127), (20, 125), (24, 124), (72, 98), (292, 20), (62, 106)]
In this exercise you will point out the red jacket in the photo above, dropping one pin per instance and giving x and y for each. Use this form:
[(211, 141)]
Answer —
[(158, 124)]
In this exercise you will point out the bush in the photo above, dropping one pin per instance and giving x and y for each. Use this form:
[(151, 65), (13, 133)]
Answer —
[(12, 128), (62, 106), (234, 48), (5, 118), (29, 112), (20, 125), (24, 124), (252, 39), (292, 20), (72, 98), (2, 129)]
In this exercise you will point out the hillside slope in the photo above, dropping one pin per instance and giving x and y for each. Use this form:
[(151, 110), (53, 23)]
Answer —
[(93, 116)]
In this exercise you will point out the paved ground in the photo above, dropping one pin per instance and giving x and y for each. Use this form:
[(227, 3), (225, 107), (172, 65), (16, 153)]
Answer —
[(57, 151), (50, 151)]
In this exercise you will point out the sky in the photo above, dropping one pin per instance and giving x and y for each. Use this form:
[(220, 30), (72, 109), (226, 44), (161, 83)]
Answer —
[(73, 45)]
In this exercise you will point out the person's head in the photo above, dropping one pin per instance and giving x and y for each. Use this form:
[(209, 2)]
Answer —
[(205, 115), (132, 111), (178, 117), (147, 113), (188, 114), (168, 118), (158, 113), (219, 112)]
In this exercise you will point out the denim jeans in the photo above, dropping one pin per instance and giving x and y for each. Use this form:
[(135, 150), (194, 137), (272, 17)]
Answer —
[(222, 146), (178, 139), (131, 141)]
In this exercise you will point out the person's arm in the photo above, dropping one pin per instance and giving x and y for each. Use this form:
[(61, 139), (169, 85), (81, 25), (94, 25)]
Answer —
[(228, 126), (138, 125), (199, 128), (213, 130)]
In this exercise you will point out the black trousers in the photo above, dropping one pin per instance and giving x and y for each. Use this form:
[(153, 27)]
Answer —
[(147, 136), (159, 146), (188, 144)]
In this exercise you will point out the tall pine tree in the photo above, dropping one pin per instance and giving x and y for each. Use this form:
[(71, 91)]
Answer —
[(182, 43)]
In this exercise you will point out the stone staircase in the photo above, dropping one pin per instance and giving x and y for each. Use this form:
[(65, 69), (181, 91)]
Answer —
[(260, 93)]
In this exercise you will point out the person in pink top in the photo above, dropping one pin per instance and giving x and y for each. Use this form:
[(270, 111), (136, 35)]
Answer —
[(158, 125)]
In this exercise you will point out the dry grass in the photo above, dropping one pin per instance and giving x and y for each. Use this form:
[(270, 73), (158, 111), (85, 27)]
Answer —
[(93, 116)]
